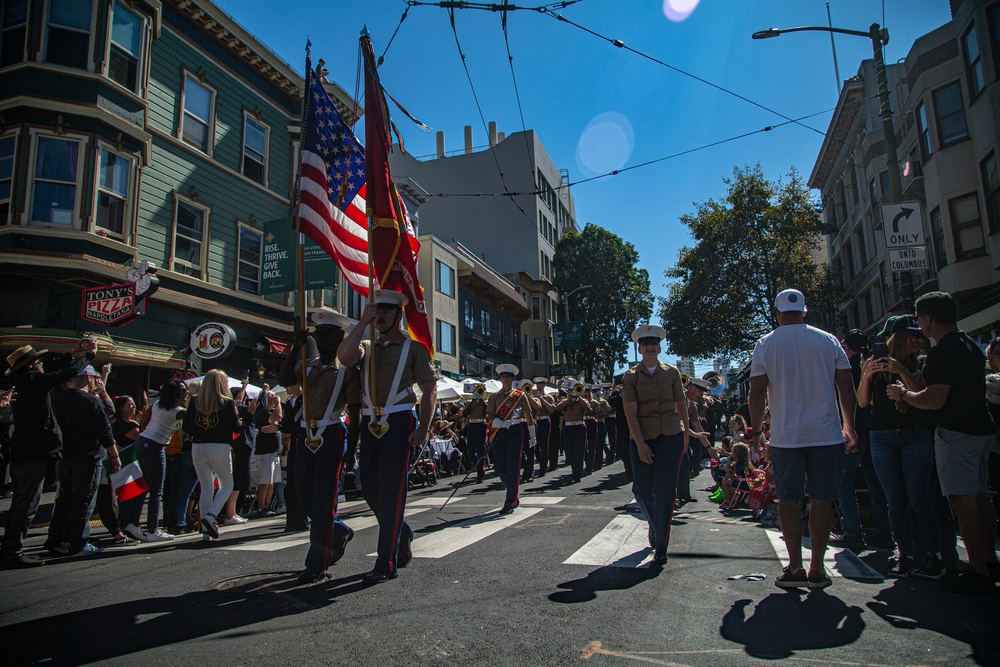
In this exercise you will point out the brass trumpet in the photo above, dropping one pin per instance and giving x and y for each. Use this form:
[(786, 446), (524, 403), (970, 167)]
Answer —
[(578, 388), (527, 387), (685, 379), (479, 391)]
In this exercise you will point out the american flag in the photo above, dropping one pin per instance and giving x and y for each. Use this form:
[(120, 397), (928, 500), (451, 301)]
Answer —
[(332, 186)]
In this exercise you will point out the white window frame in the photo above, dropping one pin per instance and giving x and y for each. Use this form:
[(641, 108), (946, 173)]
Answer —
[(82, 140), (249, 117), (140, 65), (10, 197), (240, 227), (90, 37), (180, 199), (130, 192), (210, 149)]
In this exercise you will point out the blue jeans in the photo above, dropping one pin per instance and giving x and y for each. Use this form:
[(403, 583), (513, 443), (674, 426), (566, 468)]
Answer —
[(153, 461), (654, 485), (189, 480), (507, 446), (904, 459), (78, 482), (26, 484)]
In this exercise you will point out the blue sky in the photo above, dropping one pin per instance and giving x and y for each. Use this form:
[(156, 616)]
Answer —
[(597, 107)]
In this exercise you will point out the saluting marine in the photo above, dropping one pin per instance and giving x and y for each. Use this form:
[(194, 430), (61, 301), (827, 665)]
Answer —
[(389, 426), (475, 431), (322, 438), (504, 412)]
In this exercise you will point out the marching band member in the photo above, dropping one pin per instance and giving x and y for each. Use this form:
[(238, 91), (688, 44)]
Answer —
[(528, 434), (475, 431), (504, 413), (574, 408), (389, 426), (656, 411), (543, 408), (593, 461)]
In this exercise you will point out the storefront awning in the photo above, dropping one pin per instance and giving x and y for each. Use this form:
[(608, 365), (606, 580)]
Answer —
[(108, 350), (978, 322), (276, 345)]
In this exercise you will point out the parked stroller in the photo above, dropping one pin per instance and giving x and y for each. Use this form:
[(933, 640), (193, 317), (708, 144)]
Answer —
[(423, 471)]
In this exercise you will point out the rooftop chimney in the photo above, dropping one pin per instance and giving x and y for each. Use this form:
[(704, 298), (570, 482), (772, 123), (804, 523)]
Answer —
[(493, 133), (468, 139), (440, 144)]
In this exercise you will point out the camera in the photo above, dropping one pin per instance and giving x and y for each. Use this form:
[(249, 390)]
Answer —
[(880, 350)]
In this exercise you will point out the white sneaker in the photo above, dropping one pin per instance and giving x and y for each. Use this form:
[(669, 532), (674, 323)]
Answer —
[(135, 532), (158, 536), (234, 520)]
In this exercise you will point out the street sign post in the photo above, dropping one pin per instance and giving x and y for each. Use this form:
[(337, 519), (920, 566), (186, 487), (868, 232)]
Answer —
[(907, 259), (903, 224)]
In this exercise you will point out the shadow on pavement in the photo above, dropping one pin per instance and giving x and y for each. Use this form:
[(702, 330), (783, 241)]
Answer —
[(783, 623), (601, 579), (970, 619), (139, 625)]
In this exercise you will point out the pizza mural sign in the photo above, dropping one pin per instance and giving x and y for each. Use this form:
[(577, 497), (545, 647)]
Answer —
[(111, 305)]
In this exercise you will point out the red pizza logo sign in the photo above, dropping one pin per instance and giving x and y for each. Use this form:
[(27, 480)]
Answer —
[(109, 304)]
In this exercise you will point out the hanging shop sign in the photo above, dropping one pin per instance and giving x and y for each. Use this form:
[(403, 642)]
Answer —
[(213, 340), (110, 305)]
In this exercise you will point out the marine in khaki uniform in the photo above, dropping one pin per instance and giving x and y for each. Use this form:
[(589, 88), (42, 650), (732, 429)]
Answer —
[(389, 424), (322, 438), (475, 430), (656, 412), (543, 410), (504, 412), (574, 409)]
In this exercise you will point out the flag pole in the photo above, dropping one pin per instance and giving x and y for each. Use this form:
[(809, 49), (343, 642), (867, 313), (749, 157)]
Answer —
[(300, 264)]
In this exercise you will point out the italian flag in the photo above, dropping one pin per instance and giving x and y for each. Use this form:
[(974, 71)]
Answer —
[(127, 482)]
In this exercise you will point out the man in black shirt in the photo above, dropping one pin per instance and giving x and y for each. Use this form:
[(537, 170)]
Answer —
[(956, 392), (87, 436), (36, 439)]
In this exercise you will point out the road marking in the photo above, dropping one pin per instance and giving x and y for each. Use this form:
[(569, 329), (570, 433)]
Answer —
[(622, 543), (449, 540), (298, 539), (436, 502), (838, 563), (540, 500)]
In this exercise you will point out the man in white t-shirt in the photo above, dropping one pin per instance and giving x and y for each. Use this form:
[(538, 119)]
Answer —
[(799, 371)]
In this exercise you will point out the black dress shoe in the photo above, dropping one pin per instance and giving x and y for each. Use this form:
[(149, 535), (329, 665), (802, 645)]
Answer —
[(405, 552), (311, 576), (660, 558), (339, 546), (505, 510), (376, 577)]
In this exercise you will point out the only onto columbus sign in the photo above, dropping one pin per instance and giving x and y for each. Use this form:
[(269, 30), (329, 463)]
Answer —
[(111, 305)]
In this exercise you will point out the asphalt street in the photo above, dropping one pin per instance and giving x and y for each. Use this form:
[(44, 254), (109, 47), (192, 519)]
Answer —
[(563, 580)]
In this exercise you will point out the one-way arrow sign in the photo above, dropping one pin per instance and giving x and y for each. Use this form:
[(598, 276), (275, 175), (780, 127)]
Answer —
[(904, 224)]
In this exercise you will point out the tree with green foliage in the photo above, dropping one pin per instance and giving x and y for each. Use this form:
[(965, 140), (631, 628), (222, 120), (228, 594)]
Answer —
[(760, 239), (619, 298)]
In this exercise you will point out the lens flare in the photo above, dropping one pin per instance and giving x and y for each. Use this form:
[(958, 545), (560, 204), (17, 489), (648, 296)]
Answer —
[(606, 144), (678, 10)]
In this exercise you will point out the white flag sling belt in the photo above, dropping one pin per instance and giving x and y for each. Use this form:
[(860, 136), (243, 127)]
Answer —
[(313, 426), (378, 413)]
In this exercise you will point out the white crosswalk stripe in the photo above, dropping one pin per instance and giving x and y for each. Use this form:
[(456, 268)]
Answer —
[(622, 543), (449, 540), (838, 562)]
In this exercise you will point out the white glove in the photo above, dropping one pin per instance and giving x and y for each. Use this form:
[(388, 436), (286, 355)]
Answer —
[(531, 435), (499, 423)]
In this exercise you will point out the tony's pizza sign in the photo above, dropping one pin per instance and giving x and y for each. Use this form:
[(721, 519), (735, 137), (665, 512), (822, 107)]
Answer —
[(111, 305)]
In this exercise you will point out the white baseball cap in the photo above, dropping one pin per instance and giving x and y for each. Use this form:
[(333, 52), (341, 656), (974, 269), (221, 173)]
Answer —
[(790, 300)]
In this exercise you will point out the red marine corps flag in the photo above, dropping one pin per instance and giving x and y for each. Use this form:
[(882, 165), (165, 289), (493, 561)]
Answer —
[(394, 246)]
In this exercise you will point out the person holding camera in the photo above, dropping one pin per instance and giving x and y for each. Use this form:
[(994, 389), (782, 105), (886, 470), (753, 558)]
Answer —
[(902, 448)]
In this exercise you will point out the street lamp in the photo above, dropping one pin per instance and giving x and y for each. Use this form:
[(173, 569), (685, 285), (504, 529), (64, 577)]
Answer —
[(566, 302), (879, 37)]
